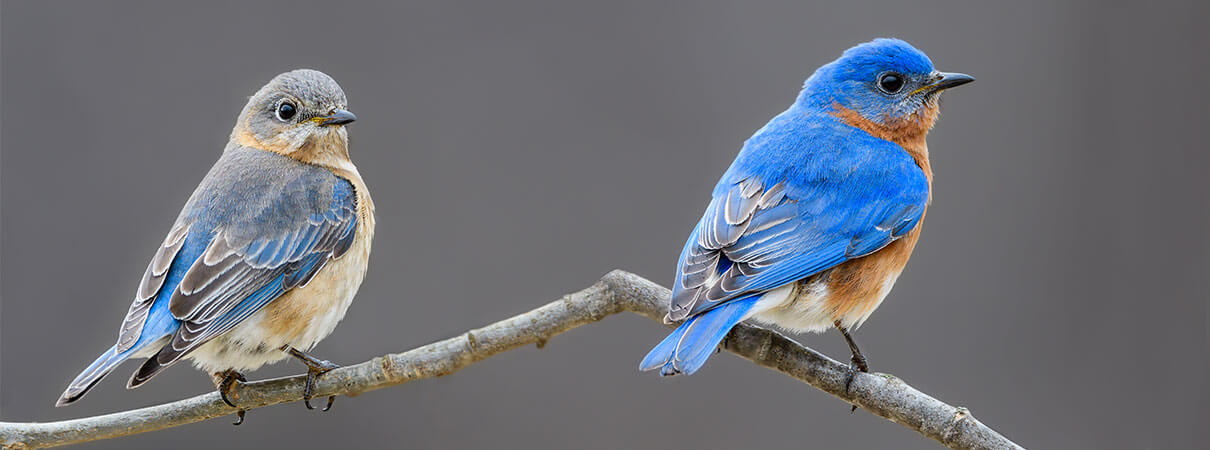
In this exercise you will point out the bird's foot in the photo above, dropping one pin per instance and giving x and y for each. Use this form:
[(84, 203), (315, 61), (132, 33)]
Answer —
[(226, 382), (856, 364), (315, 368), (312, 373)]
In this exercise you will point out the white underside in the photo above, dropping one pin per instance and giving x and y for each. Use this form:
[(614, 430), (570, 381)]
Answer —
[(803, 306)]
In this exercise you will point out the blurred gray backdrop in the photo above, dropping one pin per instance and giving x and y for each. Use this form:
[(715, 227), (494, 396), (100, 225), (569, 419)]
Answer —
[(519, 150)]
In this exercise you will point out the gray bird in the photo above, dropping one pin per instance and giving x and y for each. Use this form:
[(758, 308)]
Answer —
[(267, 254)]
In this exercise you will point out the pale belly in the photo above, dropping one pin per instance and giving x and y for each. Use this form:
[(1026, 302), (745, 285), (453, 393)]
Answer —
[(299, 318), (847, 293), (810, 306)]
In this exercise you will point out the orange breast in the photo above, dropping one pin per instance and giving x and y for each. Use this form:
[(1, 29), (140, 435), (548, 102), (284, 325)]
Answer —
[(857, 287)]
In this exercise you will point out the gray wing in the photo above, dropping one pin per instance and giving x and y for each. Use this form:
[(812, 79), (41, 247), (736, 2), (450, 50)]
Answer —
[(259, 225)]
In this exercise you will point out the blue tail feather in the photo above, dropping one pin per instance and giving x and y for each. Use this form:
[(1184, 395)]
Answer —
[(159, 325), (692, 343), (662, 353), (93, 374)]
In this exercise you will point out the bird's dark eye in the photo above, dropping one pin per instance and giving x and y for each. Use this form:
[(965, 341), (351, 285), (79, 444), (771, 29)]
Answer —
[(285, 111), (890, 82)]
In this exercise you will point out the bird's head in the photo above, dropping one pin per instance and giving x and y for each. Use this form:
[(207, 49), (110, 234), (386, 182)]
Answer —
[(301, 114), (885, 84)]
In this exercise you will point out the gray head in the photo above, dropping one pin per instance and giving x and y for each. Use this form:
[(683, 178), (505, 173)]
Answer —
[(300, 109)]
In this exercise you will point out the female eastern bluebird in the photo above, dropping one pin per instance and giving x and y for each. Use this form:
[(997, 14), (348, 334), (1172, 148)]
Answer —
[(266, 255), (818, 214)]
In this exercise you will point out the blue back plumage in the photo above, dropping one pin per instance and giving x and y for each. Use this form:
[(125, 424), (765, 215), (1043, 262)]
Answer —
[(807, 192)]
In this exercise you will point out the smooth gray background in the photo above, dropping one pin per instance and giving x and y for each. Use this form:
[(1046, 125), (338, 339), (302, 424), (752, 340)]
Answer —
[(519, 150)]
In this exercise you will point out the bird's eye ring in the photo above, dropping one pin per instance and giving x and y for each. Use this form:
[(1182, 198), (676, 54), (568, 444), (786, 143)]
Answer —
[(890, 82), (285, 111)]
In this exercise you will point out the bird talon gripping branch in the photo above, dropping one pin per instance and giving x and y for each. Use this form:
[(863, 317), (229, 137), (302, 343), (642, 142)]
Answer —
[(315, 368), (226, 382)]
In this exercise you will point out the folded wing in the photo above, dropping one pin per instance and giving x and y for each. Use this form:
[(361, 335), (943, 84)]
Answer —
[(759, 234)]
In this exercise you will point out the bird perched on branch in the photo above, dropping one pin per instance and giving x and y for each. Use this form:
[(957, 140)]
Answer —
[(266, 255), (817, 216)]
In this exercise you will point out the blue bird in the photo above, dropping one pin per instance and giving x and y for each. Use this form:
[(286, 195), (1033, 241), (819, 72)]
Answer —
[(266, 255), (814, 221)]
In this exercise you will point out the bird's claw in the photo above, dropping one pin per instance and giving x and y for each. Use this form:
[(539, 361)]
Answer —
[(227, 385), (315, 368), (229, 380), (240, 415), (859, 361), (313, 372), (856, 364)]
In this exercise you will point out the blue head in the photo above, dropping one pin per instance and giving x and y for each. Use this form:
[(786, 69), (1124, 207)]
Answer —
[(885, 81)]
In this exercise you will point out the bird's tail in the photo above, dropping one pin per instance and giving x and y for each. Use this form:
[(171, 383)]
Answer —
[(94, 373), (687, 348), (165, 358)]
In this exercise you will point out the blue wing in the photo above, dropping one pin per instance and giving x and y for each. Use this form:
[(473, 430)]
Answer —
[(259, 225), (232, 278), (781, 214)]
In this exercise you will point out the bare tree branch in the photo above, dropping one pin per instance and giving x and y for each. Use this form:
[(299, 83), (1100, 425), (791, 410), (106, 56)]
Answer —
[(618, 291)]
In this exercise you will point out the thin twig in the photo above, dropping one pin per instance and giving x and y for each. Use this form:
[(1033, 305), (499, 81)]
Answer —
[(880, 394)]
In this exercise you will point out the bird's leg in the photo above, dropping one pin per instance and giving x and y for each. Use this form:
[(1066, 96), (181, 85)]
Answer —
[(856, 362), (225, 381), (315, 368)]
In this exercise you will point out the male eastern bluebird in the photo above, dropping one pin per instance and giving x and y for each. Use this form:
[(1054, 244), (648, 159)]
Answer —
[(818, 214), (267, 253)]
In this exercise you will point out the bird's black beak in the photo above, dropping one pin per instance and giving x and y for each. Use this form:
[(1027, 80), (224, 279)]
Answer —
[(338, 117), (945, 80)]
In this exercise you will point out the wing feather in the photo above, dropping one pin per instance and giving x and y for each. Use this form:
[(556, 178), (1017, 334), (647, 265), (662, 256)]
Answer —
[(153, 279), (218, 289)]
